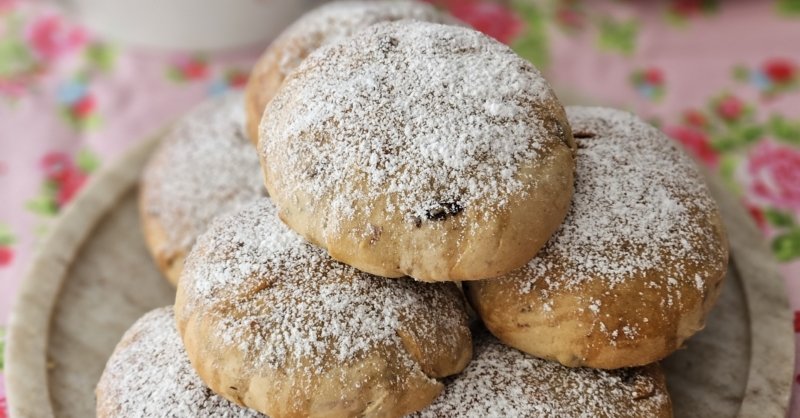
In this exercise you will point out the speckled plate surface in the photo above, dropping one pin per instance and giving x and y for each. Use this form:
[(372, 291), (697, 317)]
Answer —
[(93, 278)]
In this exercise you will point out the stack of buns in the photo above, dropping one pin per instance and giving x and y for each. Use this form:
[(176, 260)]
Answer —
[(414, 168)]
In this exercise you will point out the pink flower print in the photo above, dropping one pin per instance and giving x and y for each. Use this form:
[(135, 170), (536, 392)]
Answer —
[(11, 88), (84, 107), (6, 256), (654, 76), (231, 79), (78, 105), (570, 18), (686, 8), (488, 17), (188, 69), (649, 83), (56, 166), (237, 79), (776, 75), (50, 37), (696, 142), (757, 214), (774, 172), (69, 187), (67, 177), (695, 118), (6, 5), (730, 108), (779, 70)]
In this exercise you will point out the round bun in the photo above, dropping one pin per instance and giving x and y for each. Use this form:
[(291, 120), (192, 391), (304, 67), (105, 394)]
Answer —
[(324, 25), (149, 375), (635, 267), (419, 149), (273, 323), (204, 167), (503, 382)]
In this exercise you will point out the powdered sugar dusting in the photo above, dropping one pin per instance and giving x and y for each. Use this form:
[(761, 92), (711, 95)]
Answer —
[(286, 305), (636, 200), (204, 167), (149, 375), (422, 117), (332, 22), (503, 382)]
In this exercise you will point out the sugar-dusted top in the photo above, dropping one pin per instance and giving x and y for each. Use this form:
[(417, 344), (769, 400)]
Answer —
[(204, 167), (287, 305), (426, 117), (149, 375), (337, 20), (503, 382), (640, 204)]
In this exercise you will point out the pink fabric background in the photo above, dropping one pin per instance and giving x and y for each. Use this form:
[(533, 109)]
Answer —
[(712, 74)]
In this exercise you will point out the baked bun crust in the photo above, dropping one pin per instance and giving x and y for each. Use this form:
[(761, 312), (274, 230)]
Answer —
[(324, 25), (419, 149), (634, 269), (503, 382), (271, 322), (203, 168), (149, 375)]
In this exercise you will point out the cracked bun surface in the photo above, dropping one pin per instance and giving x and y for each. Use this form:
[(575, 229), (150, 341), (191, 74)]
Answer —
[(149, 375), (419, 149), (324, 25), (503, 382), (634, 269), (271, 322), (204, 167)]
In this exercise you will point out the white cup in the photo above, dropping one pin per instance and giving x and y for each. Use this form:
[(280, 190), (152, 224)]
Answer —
[(199, 25)]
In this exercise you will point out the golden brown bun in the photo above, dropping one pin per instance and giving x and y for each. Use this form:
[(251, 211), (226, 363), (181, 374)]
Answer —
[(419, 149), (203, 168), (149, 375), (503, 382), (271, 322), (327, 24), (634, 269)]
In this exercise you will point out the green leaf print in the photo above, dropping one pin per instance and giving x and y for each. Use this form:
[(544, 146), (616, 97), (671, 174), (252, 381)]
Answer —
[(45, 203), (532, 44), (788, 7), (86, 161), (618, 36), (728, 165), (101, 56), (779, 219), (738, 137), (6, 236), (787, 246), (741, 73), (784, 130), (15, 57), (2, 347)]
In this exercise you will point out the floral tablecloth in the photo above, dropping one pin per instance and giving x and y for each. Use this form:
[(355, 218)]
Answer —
[(721, 78)]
